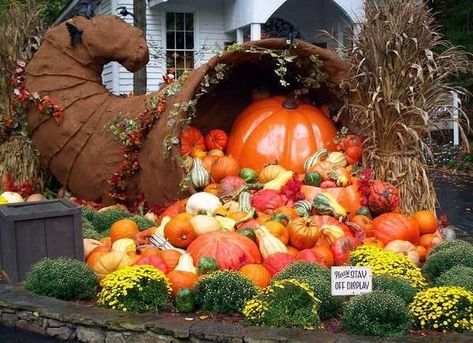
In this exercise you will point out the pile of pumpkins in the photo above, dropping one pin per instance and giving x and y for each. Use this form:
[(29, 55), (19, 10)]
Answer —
[(258, 220)]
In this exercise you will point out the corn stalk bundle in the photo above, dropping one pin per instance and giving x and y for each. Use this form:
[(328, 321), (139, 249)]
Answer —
[(399, 78)]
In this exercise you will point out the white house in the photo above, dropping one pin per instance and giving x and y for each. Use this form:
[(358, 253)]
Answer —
[(186, 33)]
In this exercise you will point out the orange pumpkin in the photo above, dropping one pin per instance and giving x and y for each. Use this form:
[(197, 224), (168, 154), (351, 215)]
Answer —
[(303, 233), (224, 166), (179, 230), (323, 254), (422, 251), (430, 240), (216, 139), (170, 258), (191, 138), (181, 279), (427, 221), (212, 188), (207, 161), (96, 253), (277, 230), (123, 228), (257, 273), (111, 261), (299, 129), (394, 226), (149, 251)]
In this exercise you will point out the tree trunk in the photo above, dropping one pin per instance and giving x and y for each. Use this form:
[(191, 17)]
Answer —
[(140, 78)]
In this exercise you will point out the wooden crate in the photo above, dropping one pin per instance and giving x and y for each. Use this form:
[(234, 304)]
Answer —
[(32, 230)]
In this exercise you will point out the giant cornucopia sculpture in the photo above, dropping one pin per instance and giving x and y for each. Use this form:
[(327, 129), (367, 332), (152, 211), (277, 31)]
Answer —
[(256, 192)]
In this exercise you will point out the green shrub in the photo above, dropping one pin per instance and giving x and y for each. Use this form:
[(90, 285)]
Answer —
[(445, 245), (88, 230), (443, 308), (460, 276), (143, 222), (136, 289), (396, 286), (224, 292), (443, 260), (284, 303), (87, 213), (376, 314), (62, 278), (102, 221), (318, 278)]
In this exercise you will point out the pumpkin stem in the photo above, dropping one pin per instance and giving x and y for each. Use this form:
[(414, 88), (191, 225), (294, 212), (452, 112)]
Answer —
[(290, 104)]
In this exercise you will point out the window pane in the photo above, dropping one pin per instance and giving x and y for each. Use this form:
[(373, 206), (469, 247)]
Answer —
[(180, 60), (180, 21), (170, 22), (189, 22), (189, 59), (170, 59), (170, 41), (189, 40), (180, 40)]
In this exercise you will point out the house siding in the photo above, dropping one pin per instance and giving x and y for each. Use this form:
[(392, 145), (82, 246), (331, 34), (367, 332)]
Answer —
[(209, 37)]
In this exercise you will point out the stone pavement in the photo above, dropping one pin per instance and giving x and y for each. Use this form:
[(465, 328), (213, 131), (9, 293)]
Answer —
[(72, 321)]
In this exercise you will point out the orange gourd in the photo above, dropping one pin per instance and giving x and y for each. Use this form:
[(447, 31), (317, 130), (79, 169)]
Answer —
[(123, 228), (363, 222), (191, 138), (111, 261), (430, 240), (278, 230), (212, 188), (216, 139), (179, 230), (270, 172), (325, 169), (257, 273), (287, 211), (324, 255), (373, 241), (422, 251), (281, 129), (96, 253), (303, 233), (224, 166), (170, 258), (427, 221), (180, 279), (175, 208), (292, 251), (207, 161), (149, 251)]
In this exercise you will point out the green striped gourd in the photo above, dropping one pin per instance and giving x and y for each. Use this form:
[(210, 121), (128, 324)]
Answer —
[(312, 160), (199, 176), (303, 208), (244, 201)]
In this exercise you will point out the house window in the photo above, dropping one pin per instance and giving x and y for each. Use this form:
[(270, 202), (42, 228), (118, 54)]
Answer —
[(179, 41)]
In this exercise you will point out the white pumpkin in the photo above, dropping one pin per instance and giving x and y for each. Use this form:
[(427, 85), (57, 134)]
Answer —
[(35, 197), (202, 201), (124, 245), (89, 245), (12, 197), (204, 224)]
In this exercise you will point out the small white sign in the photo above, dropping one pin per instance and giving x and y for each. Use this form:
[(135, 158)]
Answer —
[(349, 280)]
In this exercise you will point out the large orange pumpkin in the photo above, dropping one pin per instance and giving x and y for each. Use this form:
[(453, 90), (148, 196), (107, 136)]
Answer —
[(426, 220), (179, 230), (279, 129), (257, 273), (232, 250), (394, 226), (123, 228), (303, 233)]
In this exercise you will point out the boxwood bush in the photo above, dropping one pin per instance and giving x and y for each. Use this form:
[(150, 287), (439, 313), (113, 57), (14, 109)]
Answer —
[(62, 278), (376, 314)]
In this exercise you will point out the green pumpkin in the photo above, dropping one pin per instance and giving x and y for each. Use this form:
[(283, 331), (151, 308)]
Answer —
[(364, 211), (206, 265), (250, 233), (313, 179), (249, 175), (184, 301)]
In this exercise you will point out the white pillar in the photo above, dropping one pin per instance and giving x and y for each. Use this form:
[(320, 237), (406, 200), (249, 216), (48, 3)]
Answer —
[(240, 38), (456, 130), (255, 31)]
